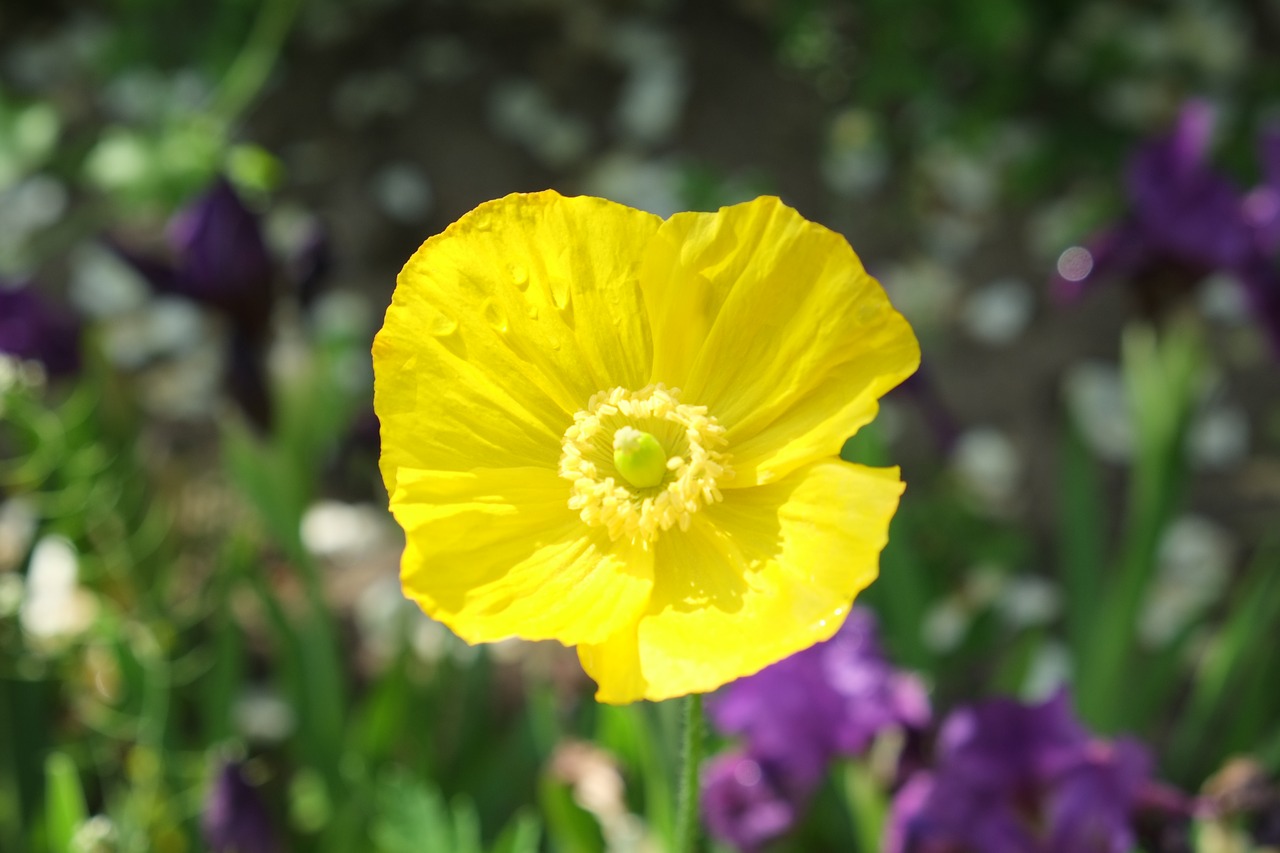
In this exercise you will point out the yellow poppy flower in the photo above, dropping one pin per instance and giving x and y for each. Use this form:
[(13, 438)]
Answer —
[(622, 433)]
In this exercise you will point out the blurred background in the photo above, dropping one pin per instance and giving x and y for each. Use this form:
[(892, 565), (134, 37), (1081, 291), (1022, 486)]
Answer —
[(203, 207)]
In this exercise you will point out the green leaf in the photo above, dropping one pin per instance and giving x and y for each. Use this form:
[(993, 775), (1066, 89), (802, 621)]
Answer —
[(64, 808), (571, 828), (1164, 378), (1081, 515), (521, 835), (411, 817)]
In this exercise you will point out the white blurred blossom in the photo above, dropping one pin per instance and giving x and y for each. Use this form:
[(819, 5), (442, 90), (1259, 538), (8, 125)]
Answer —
[(403, 192), (998, 313), (1193, 565), (520, 111), (855, 160), (988, 467), (656, 84), (55, 608), (261, 714), (1095, 396), (17, 527), (650, 185), (334, 529)]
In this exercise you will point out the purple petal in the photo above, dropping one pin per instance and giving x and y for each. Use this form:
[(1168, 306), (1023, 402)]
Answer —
[(222, 257), (831, 699), (942, 814), (1089, 809), (905, 813), (234, 819), (744, 803), (1002, 745), (1183, 207), (36, 329)]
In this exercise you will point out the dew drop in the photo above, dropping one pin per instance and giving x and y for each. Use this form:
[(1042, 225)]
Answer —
[(520, 276), (442, 326), (532, 311), (560, 294), (494, 316)]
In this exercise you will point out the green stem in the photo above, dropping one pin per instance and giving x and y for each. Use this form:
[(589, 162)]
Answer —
[(687, 803), (250, 69)]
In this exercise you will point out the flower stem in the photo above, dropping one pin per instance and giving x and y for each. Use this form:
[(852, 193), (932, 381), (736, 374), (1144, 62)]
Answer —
[(687, 801)]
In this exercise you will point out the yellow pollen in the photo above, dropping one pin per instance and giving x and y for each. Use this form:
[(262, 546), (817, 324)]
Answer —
[(642, 462)]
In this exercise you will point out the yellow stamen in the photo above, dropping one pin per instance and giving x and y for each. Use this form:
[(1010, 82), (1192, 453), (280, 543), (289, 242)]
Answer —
[(666, 453)]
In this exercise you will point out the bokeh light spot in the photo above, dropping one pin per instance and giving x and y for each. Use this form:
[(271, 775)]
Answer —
[(1075, 263)]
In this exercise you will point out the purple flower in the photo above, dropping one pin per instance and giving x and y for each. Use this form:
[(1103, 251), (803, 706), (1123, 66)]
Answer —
[(795, 717), (35, 329), (1262, 204), (234, 819), (219, 258), (1187, 220), (1013, 778), (746, 802), (1089, 806), (829, 700), (1182, 207), (1182, 212)]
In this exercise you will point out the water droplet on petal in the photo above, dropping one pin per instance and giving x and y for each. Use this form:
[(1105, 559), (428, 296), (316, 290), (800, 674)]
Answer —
[(494, 316), (560, 293), (442, 326), (520, 276)]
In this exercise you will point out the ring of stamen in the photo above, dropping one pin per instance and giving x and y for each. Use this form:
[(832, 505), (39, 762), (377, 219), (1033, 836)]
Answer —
[(691, 439)]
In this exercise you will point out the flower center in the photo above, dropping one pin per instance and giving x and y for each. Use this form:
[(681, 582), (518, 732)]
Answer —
[(639, 457), (642, 462)]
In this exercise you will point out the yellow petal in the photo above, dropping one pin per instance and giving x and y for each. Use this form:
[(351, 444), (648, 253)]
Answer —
[(772, 323), (503, 326), (768, 572), (498, 554)]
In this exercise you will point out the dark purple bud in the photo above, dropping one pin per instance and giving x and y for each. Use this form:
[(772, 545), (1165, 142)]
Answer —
[(235, 820), (745, 803), (221, 257), (33, 328)]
